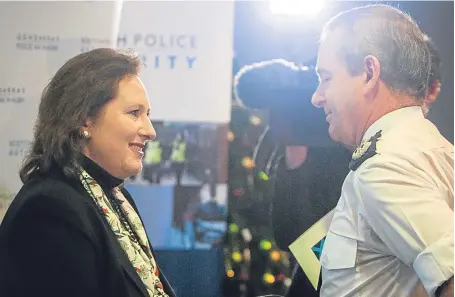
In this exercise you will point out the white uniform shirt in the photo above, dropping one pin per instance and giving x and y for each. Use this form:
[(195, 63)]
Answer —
[(393, 226)]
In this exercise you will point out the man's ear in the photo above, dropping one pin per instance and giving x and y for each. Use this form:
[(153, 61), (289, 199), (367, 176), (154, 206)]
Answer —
[(372, 72), (433, 92)]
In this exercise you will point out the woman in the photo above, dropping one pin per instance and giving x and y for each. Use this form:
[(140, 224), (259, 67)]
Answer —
[(73, 230)]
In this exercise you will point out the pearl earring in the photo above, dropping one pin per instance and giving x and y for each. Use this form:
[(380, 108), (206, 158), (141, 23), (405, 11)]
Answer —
[(86, 134)]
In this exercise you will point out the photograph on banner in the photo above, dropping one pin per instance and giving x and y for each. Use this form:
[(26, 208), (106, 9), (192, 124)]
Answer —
[(181, 192)]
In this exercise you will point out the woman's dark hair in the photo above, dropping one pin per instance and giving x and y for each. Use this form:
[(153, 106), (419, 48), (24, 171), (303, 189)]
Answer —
[(77, 92)]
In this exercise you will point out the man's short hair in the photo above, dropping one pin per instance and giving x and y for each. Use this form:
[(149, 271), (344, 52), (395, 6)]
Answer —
[(393, 38), (435, 72)]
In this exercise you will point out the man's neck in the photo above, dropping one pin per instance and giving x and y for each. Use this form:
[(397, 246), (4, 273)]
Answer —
[(381, 107)]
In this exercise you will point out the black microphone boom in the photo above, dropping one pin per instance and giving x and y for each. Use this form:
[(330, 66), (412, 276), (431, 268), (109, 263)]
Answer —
[(285, 89)]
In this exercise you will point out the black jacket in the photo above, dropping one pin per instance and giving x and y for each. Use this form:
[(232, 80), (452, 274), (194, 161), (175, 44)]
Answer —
[(54, 242), (303, 196)]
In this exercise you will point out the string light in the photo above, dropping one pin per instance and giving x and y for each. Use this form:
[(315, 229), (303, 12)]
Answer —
[(268, 278), (281, 277), (247, 162), (233, 228), (265, 245), (255, 120), (230, 136), (230, 273), (275, 256), (237, 257), (263, 176), (247, 254), (238, 192), (287, 282)]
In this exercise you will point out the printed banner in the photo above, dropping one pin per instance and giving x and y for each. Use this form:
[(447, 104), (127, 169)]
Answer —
[(36, 39), (187, 47)]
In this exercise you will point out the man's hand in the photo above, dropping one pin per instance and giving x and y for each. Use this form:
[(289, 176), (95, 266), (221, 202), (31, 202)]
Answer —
[(446, 289), (295, 156)]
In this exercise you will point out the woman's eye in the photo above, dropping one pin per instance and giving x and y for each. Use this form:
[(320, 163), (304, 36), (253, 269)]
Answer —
[(135, 112)]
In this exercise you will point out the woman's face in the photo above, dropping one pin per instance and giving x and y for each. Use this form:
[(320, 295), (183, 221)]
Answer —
[(119, 132)]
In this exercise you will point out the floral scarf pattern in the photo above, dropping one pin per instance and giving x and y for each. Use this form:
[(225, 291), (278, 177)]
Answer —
[(138, 251)]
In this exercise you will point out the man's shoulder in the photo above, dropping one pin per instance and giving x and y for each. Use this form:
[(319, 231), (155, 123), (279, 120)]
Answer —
[(419, 136), (417, 149), (410, 142)]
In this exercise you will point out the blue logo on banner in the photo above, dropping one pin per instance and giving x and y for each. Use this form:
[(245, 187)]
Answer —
[(37, 42), (18, 148), (166, 51), (12, 94)]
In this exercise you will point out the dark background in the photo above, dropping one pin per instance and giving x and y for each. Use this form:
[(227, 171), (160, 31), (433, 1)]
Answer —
[(260, 36)]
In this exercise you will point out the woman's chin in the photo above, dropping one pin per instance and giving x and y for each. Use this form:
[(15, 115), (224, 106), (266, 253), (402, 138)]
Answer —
[(133, 168)]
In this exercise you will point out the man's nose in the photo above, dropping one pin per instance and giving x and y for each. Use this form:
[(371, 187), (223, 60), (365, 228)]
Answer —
[(317, 100)]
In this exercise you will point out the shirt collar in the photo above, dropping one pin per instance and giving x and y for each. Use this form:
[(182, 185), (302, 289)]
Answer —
[(391, 119)]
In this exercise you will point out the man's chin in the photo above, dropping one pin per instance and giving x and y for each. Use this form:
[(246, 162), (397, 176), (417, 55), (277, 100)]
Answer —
[(333, 134)]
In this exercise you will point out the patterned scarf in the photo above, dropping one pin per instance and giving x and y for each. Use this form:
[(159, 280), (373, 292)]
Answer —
[(138, 250)]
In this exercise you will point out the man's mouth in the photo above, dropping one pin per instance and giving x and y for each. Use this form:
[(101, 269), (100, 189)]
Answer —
[(328, 116)]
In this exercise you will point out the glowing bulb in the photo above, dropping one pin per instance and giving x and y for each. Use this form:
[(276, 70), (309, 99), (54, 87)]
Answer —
[(263, 176), (265, 245), (230, 136), (255, 120), (233, 228), (269, 278), (237, 257), (247, 162), (275, 256), (296, 7), (230, 273)]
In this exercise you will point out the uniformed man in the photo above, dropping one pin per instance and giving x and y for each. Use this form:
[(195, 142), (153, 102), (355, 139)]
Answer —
[(178, 156), (152, 161), (392, 231)]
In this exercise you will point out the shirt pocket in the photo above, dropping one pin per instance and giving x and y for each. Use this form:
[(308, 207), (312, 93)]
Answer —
[(339, 252)]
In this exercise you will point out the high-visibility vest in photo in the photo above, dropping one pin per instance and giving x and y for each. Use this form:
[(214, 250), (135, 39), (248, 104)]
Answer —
[(178, 151), (153, 153)]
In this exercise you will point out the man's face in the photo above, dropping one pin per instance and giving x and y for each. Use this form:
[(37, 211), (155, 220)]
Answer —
[(339, 93)]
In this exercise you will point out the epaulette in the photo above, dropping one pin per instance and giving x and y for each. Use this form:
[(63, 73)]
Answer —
[(366, 150)]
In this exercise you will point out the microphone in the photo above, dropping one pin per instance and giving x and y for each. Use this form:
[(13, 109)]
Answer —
[(285, 89), (261, 85)]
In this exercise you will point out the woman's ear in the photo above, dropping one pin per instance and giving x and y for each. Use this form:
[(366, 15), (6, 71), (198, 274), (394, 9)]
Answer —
[(85, 129)]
